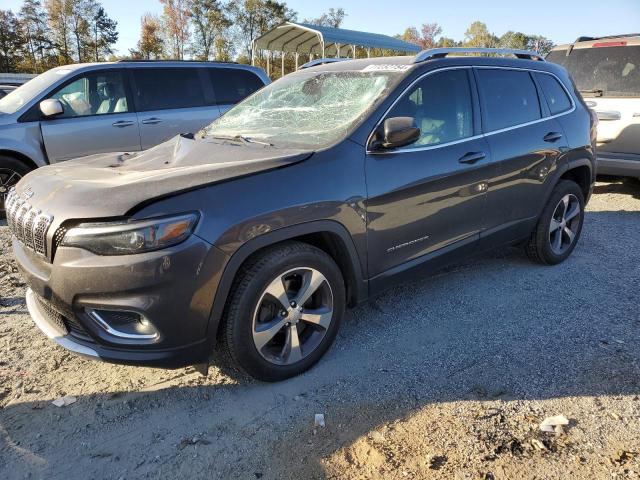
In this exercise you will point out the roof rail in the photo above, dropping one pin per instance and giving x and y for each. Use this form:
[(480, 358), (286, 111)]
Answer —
[(589, 38), (144, 60), (322, 61), (433, 53)]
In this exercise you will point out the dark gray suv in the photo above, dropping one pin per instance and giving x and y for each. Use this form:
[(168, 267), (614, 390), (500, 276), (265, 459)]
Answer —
[(312, 195)]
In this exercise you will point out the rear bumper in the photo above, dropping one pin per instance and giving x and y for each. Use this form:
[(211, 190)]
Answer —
[(625, 165)]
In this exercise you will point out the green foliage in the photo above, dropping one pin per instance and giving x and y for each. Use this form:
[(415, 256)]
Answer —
[(333, 18)]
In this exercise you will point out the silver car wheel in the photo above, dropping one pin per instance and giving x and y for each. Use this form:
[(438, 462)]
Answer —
[(292, 316), (565, 223)]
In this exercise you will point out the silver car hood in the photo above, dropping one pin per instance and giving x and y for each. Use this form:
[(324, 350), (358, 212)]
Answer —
[(112, 184)]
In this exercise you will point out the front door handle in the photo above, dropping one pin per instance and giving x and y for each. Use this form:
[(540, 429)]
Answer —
[(472, 157), (152, 121), (123, 123), (552, 137)]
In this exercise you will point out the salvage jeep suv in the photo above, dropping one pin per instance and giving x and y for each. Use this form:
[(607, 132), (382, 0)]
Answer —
[(313, 194)]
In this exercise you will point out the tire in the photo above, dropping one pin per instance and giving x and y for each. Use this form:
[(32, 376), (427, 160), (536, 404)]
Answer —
[(11, 171), (559, 227), (269, 340)]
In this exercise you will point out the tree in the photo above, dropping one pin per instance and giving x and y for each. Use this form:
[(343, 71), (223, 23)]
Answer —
[(511, 39), (478, 35), (82, 13), (446, 42), (539, 44), (11, 41), (105, 34), (252, 18), (150, 45), (333, 18), (176, 22), (210, 25), (426, 38), (429, 33), (33, 23), (59, 20)]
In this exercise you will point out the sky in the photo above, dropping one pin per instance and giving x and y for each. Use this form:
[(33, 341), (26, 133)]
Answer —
[(560, 20)]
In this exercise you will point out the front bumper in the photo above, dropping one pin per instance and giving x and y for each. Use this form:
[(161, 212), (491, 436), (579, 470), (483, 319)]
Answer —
[(172, 288), (618, 164)]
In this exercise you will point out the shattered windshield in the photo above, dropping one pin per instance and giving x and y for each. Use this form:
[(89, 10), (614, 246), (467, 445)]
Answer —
[(305, 110)]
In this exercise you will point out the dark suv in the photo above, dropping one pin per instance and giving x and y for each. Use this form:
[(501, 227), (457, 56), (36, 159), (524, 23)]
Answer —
[(313, 194)]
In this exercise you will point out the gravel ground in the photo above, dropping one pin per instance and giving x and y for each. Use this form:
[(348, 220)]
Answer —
[(448, 377)]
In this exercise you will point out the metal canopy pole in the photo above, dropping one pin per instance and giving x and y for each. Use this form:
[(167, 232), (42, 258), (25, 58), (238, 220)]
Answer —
[(282, 63), (324, 55), (297, 56), (268, 63), (368, 52), (337, 50), (353, 51)]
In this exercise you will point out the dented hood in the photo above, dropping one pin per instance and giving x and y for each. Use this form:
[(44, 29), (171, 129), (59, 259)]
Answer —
[(112, 184)]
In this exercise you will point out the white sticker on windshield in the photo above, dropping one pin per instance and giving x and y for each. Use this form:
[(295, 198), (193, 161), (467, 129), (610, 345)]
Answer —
[(386, 68)]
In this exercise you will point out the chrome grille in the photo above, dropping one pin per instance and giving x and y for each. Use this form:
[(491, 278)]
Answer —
[(28, 224)]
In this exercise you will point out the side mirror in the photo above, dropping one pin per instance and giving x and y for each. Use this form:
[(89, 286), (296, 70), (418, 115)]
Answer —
[(399, 132), (51, 107)]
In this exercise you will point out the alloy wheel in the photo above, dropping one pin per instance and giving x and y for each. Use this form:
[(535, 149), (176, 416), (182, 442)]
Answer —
[(8, 178), (564, 225), (293, 315)]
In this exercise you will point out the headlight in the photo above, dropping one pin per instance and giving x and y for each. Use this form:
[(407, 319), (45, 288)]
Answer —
[(125, 238)]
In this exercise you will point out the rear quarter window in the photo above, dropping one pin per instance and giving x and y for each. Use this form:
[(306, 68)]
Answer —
[(231, 85), (167, 88), (509, 98), (555, 94)]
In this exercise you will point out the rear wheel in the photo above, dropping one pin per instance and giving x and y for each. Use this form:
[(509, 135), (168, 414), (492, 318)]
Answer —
[(11, 171), (284, 312), (559, 226)]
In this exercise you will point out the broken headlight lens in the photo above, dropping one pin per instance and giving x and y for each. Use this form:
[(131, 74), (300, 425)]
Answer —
[(126, 238)]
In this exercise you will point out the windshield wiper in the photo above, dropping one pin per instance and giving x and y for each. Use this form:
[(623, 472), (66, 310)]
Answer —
[(241, 138), (596, 92)]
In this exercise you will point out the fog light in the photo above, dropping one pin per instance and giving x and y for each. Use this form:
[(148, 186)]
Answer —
[(124, 325)]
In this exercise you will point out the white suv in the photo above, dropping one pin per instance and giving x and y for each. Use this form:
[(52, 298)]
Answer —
[(606, 71)]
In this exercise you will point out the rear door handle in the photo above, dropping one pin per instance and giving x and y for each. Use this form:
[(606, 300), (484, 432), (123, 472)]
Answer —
[(123, 123), (472, 157), (552, 137), (152, 121)]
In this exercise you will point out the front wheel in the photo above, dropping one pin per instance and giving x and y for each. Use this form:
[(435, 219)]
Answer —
[(284, 312), (11, 171), (559, 226)]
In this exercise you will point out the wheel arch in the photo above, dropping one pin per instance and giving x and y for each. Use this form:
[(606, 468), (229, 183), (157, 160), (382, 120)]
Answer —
[(19, 156), (328, 235), (581, 172)]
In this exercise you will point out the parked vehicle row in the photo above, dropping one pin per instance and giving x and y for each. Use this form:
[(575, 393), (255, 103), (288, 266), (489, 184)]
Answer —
[(85, 109), (607, 73), (315, 193)]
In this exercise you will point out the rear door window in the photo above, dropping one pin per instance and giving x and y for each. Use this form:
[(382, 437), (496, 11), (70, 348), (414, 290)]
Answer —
[(167, 88), (603, 70), (556, 96), (442, 105), (231, 85), (509, 98)]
